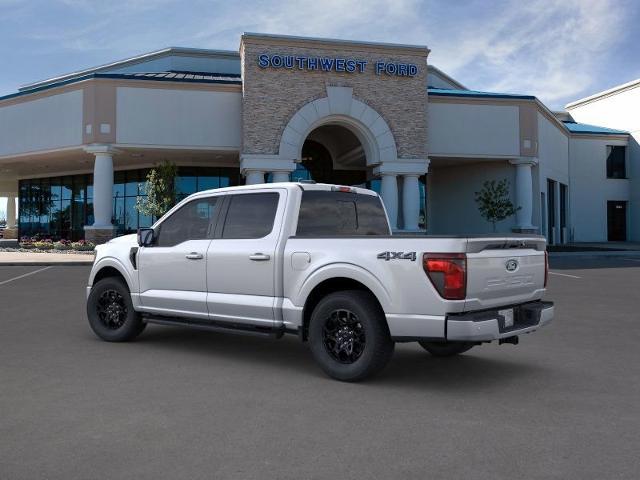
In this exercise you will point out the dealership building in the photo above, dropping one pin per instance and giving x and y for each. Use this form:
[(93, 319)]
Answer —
[(75, 149)]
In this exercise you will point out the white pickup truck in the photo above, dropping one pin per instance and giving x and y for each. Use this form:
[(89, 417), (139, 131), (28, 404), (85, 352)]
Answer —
[(318, 261)]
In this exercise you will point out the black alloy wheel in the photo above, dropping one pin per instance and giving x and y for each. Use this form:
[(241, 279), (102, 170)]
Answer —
[(348, 335), (344, 336), (110, 311)]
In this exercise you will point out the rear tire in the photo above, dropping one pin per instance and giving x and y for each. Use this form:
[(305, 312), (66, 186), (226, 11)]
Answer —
[(349, 337), (110, 311), (446, 349)]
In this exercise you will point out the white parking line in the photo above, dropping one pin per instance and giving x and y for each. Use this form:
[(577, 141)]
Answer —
[(564, 275), (25, 275)]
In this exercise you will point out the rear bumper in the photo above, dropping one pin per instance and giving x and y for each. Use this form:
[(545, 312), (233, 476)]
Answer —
[(489, 324), (480, 326)]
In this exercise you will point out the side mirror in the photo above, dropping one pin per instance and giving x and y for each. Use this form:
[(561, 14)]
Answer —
[(146, 237)]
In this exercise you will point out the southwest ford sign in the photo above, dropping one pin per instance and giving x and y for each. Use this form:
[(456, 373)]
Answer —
[(331, 64)]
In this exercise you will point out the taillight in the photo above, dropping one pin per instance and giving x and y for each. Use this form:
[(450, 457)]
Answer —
[(546, 268), (448, 273)]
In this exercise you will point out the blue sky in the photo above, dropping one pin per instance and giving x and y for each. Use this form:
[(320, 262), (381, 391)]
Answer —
[(557, 50)]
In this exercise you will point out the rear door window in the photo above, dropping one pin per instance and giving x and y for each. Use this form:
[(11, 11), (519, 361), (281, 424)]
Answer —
[(250, 215)]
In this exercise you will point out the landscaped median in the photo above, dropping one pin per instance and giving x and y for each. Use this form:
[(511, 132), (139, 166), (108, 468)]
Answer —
[(35, 251)]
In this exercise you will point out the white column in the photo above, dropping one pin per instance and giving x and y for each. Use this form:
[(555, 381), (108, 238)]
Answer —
[(389, 193), (103, 190), (280, 176), (524, 192), (410, 201), (11, 211), (253, 167), (102, 186), (254, 177)]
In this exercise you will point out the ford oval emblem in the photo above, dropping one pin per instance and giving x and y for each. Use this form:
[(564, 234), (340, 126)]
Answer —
[(512, 265)]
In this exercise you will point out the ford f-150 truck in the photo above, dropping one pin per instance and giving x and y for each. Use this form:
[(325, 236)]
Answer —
[(318, 261)]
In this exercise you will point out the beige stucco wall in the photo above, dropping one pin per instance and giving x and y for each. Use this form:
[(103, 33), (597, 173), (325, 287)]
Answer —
[(453, 207), (178, 117), (620, 110), (459, 129), (590, 189), (272, 96), (50, 122)]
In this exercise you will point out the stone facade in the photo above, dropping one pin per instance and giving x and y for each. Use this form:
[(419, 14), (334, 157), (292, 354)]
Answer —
[(272, 96), (10, 233), (98, 235)]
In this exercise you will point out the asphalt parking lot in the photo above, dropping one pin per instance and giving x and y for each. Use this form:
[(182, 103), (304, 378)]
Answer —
[(179, 403)]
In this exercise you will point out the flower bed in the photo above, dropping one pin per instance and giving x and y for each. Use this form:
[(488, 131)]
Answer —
[(40, 245)]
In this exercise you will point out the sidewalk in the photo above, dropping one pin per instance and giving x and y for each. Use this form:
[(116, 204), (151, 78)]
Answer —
[(608, 249), (635, 246), (44, 259), (596, 253)]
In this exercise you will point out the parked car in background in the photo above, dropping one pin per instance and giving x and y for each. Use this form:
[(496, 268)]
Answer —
[(318, 261)]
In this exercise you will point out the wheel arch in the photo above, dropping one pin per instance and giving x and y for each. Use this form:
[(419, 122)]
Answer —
[(110, 267), (335, 279)]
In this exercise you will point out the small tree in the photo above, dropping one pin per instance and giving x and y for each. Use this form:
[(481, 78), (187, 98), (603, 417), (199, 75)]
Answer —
[(160, 190), (494, 203)]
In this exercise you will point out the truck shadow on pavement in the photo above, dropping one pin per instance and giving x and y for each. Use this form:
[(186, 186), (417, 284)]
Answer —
[(469, 372), (410, 366)]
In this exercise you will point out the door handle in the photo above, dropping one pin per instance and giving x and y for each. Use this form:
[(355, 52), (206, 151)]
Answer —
[(194, 256), (259, 257)]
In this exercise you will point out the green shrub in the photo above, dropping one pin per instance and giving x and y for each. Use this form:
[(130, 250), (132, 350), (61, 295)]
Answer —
[(83, 246)]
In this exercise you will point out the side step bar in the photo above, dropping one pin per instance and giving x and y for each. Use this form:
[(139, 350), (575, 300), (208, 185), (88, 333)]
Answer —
[(215, 326)]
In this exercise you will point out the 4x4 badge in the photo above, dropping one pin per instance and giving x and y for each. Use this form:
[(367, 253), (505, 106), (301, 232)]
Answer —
[(397, 256)]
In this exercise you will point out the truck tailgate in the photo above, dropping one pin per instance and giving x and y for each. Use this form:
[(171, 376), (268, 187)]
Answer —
[(504, 271)]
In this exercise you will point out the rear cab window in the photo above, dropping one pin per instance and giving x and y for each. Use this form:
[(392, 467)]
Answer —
[(325, 214)]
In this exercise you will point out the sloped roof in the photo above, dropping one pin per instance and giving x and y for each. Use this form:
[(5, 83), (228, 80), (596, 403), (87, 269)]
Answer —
[(605, 93), (475, 93), (575, 127), (145, 57), (172, 76)]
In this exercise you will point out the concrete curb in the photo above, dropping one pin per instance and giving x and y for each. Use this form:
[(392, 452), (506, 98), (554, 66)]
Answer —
[(616, 253), (71, 263), (45, 259)]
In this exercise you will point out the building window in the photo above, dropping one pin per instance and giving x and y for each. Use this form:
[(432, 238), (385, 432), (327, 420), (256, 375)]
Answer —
[(551, 211), (616, 161), (60, 207), (564, 202)]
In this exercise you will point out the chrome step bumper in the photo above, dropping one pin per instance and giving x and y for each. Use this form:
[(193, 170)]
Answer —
[(489, 325)]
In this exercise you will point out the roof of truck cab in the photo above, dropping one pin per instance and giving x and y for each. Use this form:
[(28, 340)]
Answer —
[(288, 185)]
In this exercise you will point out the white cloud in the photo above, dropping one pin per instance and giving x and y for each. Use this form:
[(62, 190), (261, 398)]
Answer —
[(554, 49), (547, 48)]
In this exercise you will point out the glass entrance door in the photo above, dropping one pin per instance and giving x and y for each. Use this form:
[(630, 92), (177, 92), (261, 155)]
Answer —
[(617, 221), (551, 211)]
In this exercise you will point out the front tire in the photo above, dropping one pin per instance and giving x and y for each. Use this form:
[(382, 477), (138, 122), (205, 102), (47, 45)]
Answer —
[(110, 311), (349, 337), (446, 349)]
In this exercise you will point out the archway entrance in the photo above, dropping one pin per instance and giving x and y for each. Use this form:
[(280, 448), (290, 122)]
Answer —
[(333, 154)]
